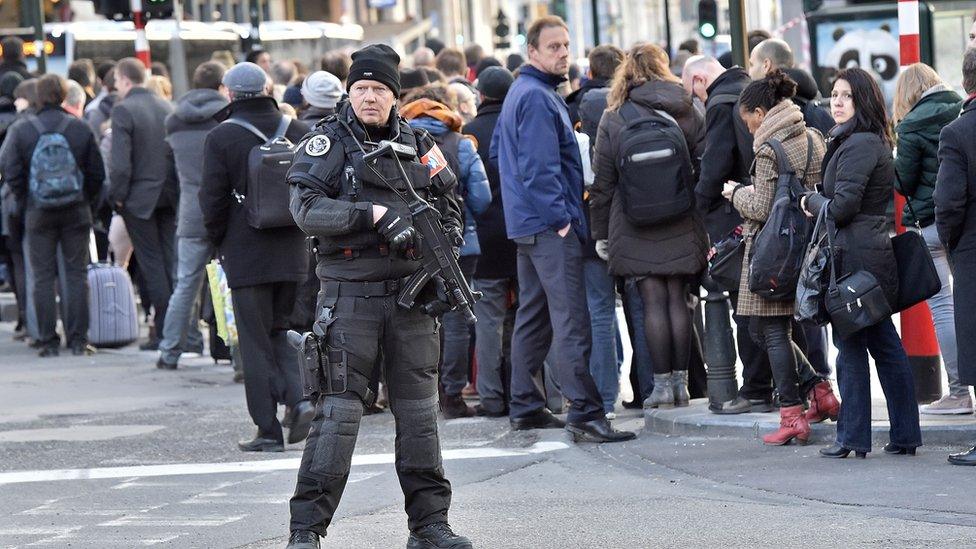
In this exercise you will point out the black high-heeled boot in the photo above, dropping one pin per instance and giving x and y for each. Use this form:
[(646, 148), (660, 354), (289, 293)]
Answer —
[(896, 450), (838, 451)]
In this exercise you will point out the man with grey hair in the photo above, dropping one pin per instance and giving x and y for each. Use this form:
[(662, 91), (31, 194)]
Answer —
[(772, 54), (423, 57), (74, 101), (955, 219), (727, 157), (263, 266)]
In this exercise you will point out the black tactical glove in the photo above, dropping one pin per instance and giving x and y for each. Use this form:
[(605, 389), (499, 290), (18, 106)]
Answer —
[(397, 230), (438, 302)]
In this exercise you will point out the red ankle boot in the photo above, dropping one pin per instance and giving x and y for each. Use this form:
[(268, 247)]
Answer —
[(792, 424), (823, 403)]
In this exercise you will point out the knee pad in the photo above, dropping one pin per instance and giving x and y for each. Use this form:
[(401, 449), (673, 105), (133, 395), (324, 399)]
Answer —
[(418, 446), (335, 436)]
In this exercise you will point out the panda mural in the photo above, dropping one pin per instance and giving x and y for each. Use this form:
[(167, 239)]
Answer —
[(870, 45)]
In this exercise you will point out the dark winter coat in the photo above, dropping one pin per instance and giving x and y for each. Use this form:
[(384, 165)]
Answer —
[(497, 259), (311, 115), (186, 131), (955, 218), (18, 67), (140, 170), (586, 106), (674, 248), (538, 158), (857, 179), (249, 256), (575, 100), (917, 163), (727, 154), (18, 148)]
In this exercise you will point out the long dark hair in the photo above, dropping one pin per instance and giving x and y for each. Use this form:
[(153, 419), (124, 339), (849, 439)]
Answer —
[(767, 92), (869, 104)]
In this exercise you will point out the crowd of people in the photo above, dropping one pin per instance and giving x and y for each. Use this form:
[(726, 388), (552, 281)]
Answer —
[(559, 217)]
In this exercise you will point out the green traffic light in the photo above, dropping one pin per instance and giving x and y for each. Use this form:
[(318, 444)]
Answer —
[(707, 30)]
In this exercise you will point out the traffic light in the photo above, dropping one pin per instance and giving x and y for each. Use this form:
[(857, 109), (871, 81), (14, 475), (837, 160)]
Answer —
[(157, 9), (707, 19), (118, 10), (502, 30), (121, 10)]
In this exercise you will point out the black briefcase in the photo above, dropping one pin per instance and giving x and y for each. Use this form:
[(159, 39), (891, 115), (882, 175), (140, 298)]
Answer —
[(725, 265)]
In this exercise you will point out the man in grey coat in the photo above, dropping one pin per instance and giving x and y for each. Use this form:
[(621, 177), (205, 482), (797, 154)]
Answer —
[(143, 185), (186, 131)]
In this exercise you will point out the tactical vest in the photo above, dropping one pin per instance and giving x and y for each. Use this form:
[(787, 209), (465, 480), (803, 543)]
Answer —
[(363, 184)]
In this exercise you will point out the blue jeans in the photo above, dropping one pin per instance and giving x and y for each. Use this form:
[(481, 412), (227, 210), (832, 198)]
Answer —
[(854, 382), (943, 313), (181, 329), (601, 300), (642, 357)]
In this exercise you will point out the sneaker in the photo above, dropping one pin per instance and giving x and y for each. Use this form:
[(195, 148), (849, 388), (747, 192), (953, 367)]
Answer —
[(611, 416), (949, 405)]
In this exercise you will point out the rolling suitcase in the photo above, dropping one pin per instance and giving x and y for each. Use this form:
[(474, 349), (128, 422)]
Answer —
[(113, 320)]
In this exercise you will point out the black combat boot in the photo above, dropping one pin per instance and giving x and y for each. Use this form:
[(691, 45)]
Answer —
[(303, 539), (454, 407), (437, 536)]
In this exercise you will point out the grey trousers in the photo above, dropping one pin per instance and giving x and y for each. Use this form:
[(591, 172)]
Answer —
[(552, 313), (489, 329)]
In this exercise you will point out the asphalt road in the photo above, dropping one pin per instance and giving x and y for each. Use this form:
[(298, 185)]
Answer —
[(108, 452)]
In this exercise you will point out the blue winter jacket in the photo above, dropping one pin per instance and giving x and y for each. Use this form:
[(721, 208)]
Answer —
[(472, 182), (538, 158)]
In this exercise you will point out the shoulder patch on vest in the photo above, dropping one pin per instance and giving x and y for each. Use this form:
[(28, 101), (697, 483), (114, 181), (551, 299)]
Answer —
[(318, 145)]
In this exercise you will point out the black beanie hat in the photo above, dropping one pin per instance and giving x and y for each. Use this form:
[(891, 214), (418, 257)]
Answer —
[(375, 62)]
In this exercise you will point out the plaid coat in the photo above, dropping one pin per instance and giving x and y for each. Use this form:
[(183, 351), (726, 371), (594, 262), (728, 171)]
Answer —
[(783, 122)]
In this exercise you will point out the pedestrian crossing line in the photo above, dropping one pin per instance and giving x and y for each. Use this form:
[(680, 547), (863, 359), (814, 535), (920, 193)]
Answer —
[(179, 469)]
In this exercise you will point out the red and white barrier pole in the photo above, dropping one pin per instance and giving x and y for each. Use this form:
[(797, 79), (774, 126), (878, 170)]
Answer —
[(142, 43), (917, 328)]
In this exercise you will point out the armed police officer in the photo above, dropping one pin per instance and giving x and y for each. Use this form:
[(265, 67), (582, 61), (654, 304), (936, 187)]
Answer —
[(367, 247)]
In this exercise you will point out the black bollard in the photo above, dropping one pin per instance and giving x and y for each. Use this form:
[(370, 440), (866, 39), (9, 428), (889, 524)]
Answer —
[(719, 345)]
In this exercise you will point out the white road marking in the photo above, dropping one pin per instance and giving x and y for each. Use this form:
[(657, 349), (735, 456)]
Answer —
[(170, 522), (177, 469), (78, 433)]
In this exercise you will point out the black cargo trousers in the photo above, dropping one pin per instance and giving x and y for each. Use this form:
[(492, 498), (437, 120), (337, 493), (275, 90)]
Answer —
[(374, 330)]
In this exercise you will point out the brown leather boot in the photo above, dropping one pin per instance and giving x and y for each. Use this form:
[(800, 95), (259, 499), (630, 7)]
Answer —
[(792, 424), (823, 403)]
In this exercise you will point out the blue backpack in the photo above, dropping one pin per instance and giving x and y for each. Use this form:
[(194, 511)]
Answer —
[(55, 179)]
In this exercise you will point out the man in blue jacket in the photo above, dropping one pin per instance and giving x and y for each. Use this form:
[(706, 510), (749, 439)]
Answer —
[(542, 191)]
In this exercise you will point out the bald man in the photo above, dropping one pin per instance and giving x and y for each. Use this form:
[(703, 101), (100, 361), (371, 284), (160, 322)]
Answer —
[(774, 54), (727, 157)]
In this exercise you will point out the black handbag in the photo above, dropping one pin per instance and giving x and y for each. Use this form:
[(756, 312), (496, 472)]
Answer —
[(854, 301), (725, 265), (918, 279), (812, 285)]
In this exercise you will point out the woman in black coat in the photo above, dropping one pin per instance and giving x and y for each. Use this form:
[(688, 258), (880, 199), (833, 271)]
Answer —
[(663, 257), (955, 219), (858, 175)]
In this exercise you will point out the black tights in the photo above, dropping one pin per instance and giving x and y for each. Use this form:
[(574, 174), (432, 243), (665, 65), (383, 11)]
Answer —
[(667, 321)]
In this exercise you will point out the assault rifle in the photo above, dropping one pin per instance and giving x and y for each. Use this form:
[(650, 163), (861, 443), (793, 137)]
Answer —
[(437, 245)]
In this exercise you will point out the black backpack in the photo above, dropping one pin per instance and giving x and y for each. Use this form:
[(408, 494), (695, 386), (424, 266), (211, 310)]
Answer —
[(656, 176), (267, 195), (776, 256), (814, 115)]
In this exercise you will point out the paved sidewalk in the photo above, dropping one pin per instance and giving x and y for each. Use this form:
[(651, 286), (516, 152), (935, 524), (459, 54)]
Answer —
[(697, 420)]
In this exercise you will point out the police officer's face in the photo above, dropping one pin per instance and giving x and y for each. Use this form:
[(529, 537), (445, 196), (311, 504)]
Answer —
[(372, 101)]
